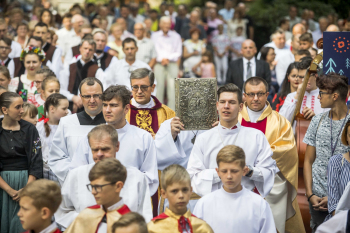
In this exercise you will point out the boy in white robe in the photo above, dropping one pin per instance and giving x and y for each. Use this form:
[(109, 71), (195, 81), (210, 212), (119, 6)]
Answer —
[(104, 143), (73, 127), (202, 162), (311, 105), (138, 148), (339, 223), (233, 208)]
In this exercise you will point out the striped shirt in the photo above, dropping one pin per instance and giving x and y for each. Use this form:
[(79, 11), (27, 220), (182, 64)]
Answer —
[(338, 178)]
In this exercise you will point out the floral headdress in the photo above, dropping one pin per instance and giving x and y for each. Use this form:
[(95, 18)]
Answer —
[(33, 50)]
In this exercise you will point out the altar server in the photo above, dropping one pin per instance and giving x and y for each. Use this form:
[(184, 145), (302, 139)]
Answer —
[(73, 127), (233, 208), (176, 187), (103, 140), (257, 114), (202, 162), (138, 150)]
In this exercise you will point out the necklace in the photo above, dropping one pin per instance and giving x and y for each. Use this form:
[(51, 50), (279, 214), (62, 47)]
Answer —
[(234, 142), (194, 137), (336, 141)]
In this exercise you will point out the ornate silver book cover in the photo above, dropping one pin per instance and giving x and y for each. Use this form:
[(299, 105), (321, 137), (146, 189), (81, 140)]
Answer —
[(195, 102)]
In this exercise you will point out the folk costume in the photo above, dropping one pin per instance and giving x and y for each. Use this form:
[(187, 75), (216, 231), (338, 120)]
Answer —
[(23, 86), (76, 197), (282, 198), (69, 132), (169, 222)]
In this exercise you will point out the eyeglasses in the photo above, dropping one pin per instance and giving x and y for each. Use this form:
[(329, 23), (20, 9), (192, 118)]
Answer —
[(323, 93), (95, 96), (3, 47), (98, 188), (252, 95), (143, 88)]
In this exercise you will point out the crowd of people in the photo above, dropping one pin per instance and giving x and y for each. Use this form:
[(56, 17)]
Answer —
[(90, 141)]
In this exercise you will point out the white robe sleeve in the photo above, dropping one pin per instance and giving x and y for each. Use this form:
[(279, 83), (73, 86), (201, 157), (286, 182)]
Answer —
[(149, 166), (168, 151), (288, 107), (81, 155), (145, 206), (266, 221), (337, 224), (64, 81), (66, 213), (57, 61), (59, 160), (265, 167), (11, 68), (202, 179)]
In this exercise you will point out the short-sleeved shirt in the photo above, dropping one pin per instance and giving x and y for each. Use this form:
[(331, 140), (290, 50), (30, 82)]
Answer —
[(319, 136)]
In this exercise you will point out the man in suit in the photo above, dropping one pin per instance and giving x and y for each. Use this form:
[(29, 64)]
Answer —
[(247, 66)]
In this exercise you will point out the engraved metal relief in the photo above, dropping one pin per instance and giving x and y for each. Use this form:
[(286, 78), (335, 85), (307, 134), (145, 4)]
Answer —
[(196, 102)]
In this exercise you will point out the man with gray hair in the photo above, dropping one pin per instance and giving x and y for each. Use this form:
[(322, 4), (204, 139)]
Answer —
[(146, 51), (80, 67), (168, 46)]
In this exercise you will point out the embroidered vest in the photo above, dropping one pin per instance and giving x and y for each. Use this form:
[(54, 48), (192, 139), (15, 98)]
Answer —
[(76, 75)]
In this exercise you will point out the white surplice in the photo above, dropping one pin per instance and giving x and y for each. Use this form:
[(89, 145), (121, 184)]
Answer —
[(68, 134), (243, 211), (173, 152), (76, 196), (337, 224), (136, 149), (202, 162), (310, 100)]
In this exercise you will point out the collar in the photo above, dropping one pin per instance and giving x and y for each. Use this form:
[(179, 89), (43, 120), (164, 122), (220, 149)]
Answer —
[(50, 228), (116, 205), (99, 56), (125, 64), (143, 40), (255, 115), (265, 113), (157, 104), (124, 129), (252, 61), (150, 104), (176, 216), (232, 195), (82, 62), (225, 131), (314, 92), (85, 119), (4, 61)]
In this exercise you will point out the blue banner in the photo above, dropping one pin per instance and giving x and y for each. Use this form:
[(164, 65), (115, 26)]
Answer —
[(336, 53)]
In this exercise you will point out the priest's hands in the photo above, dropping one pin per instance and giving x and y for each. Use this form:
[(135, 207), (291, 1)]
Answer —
[(308, 113), (318, 203), (176, 127)]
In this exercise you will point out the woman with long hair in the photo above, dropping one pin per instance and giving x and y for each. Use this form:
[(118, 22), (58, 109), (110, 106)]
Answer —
[(268, 54), (290, 84)]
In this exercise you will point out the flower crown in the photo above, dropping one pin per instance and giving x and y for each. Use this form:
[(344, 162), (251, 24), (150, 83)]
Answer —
[(32, 50)]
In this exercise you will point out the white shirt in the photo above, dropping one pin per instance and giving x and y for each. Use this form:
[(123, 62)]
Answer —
[(56, 63), (111, 64), (102, 228), (76, 197), (254, 116), (10, 67), (245, 66), (244, 211), (337, 224), (202, 162), (68, 134), (16, 50), (310, 100), (126, 34), (69, 41), (167, 46), (50, 228), (146, 51), (138, 18), (136, 149), (174, 152), (62, 36), (64, 79), (120, 73), (46, 141)]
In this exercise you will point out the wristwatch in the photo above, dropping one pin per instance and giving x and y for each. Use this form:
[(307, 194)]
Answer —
[(249, 174)]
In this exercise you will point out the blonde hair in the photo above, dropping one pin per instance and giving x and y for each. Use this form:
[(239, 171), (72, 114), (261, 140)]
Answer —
[(29, 109), (45, 193), (115, 25), (231, 154), (174, 174), (110, 168)]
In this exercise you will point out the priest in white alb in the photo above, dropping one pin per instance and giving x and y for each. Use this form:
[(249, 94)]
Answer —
[(257, 114), (202, 162), (138, 148), (104, 143), (73, 127)]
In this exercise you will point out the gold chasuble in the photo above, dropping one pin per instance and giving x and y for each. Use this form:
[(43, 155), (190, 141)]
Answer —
[(279, 133), (89, 220), (168, 222), (149, 119)]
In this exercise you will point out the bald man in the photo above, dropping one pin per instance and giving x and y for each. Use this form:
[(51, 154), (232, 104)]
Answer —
[(248, 66), (332, 28)]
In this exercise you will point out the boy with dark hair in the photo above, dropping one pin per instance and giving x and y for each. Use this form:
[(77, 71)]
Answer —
[(176, 187), (306, 41), (39, 200), (107, 178), (252, 214)]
